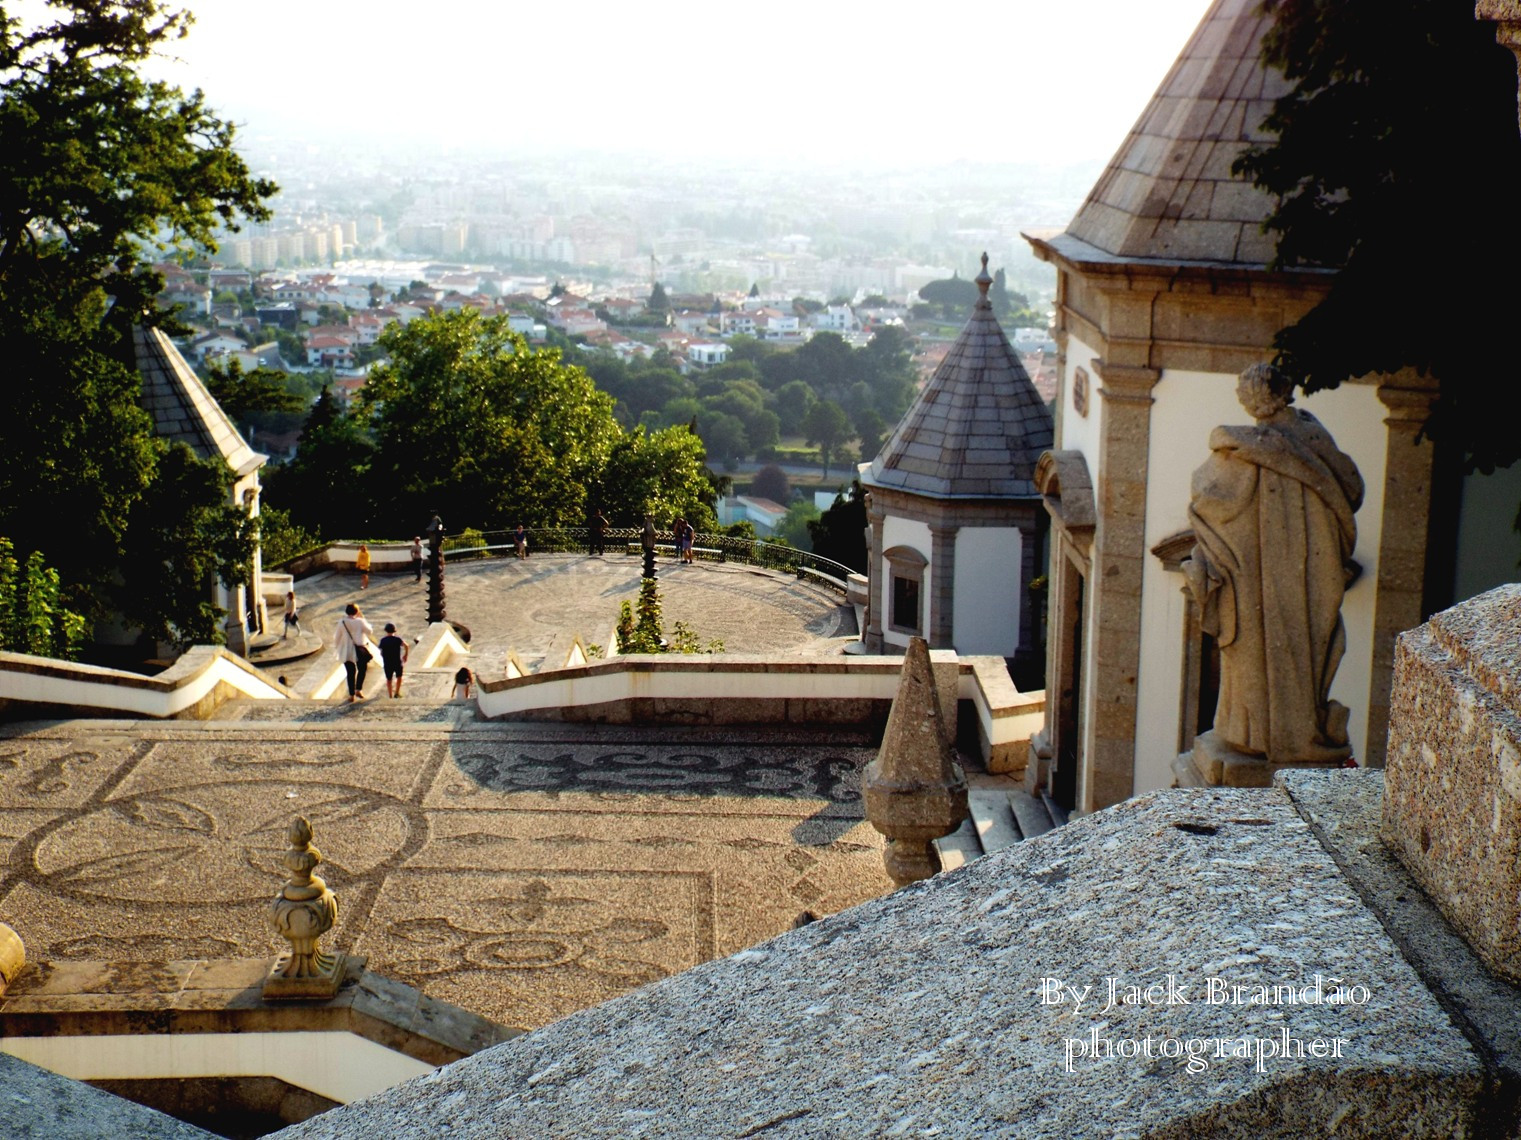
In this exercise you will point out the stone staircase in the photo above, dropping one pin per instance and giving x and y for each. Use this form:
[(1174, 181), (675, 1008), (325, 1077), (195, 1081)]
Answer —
[(1001, 812)]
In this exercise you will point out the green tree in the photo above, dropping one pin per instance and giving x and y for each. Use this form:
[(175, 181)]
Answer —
[(840, 532), (241, 393), (871, 430), (181, 536), (33, 618), (954, 295), (467, 414), (326, 488), (724, 437), (771, 482), (793, 528), (102, 170), (659, 473), (793, 399), (826, 426), (658, 301), (1351, 165)]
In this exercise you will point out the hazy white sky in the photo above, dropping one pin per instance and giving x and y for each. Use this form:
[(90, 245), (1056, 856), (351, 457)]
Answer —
[(1000, 81)]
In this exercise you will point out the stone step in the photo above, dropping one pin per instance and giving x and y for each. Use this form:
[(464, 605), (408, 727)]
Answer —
[(960, 847), (1055, 810), (992, 818), (1031, 813)]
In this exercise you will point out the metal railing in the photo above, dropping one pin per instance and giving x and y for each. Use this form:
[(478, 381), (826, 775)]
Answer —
[(626, 539)]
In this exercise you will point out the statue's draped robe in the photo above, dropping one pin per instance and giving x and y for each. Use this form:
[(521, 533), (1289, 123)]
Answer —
[(1272, 513)]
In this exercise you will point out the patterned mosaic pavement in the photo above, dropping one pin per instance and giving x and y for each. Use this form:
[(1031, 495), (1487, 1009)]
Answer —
[(521, 871)]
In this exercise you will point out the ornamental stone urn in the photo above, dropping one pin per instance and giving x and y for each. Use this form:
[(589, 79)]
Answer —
[(302, 913)]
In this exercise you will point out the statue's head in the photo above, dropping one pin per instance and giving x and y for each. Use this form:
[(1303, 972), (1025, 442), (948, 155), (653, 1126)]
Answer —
[(1264, 390)]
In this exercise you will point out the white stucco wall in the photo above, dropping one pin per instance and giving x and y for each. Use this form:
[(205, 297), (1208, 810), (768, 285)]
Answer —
[(340, 1066), (1188, 406), (1081, 433), (904, 532), (987, 591)]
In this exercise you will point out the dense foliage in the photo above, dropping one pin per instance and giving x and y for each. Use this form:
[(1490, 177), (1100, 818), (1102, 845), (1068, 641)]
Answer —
[(101, 170), (467, 420), (742, 409), (33, 618), (1402, 117)]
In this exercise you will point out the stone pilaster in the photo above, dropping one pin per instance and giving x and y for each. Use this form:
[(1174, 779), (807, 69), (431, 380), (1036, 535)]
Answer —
[(1506, 15), (1402, 539), (1119, 552), (942, 599), (874, 573)]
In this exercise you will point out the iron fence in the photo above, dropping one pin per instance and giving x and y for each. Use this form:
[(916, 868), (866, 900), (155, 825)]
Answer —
[(626, 540)]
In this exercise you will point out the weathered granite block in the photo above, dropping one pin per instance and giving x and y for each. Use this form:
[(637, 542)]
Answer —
[(1452, 804)]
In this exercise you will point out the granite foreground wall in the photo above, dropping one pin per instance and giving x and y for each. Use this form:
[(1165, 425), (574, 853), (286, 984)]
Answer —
[(1191, 963), (1453, 806)]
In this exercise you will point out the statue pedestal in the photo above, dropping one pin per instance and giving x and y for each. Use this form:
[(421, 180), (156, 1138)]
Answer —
[(1215, 764)]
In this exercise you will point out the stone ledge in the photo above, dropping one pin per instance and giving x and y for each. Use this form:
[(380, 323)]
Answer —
[(1344, 810), (79, 999), (40, 1105), (922, 1011)]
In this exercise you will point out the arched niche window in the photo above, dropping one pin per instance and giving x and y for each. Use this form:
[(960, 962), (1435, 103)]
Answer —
[(905, 593)]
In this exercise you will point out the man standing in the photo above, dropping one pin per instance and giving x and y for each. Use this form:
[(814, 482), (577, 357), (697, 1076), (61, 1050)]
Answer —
[(417, 558), (598, 533)]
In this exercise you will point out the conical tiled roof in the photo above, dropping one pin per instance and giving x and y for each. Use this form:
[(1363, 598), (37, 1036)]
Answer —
[(182, 410), (978, 426), (1168, 194)]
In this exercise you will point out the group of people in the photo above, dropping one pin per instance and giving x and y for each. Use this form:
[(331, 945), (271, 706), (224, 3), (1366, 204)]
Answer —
[(349, 640)]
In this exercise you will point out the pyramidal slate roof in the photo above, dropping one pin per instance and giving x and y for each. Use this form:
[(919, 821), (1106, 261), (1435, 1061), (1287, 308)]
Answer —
[(1168, 193), (978, 426), (182, 410)]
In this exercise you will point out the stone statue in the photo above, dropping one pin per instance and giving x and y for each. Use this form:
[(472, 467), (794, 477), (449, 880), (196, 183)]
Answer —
[(1272, 513)]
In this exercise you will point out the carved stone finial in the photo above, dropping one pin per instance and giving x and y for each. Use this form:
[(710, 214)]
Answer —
[(984, 282), (12, 956), (302, 913), (915, 790)]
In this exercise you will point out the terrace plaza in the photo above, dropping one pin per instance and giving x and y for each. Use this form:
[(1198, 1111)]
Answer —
[(522, 871)]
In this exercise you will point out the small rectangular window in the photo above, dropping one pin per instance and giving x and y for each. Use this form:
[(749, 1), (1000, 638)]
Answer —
[(905, 611)]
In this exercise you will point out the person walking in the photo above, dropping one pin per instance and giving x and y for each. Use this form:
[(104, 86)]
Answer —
[(599, 533), (362, 564), (417, 558), (292, 615), (348, 642), (393, 655), (464, 684), (688, 540), (520, 541)]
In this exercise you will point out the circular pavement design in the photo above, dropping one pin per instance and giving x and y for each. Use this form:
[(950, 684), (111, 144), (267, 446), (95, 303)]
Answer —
[(524, 604)]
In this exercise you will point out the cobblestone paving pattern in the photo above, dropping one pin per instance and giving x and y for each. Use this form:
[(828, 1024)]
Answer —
[(523, 604), (522, 871)]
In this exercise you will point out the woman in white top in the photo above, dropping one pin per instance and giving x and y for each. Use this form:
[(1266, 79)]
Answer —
[(348, 639), (292, 615)]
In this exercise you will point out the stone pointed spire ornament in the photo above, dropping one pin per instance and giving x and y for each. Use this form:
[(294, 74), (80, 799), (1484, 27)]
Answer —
[(984, 283), (915, 790), (302, 913)]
